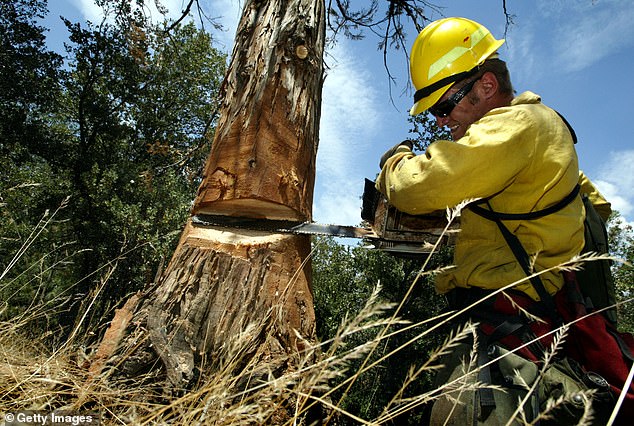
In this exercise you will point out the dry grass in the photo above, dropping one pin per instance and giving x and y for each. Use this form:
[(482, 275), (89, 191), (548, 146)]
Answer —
[(34, 376)]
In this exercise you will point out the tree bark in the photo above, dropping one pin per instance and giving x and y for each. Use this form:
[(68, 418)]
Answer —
[(262, 165), (218, 283), (262, 161)]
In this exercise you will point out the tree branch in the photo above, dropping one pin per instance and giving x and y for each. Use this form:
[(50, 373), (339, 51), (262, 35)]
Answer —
[(183, 15)]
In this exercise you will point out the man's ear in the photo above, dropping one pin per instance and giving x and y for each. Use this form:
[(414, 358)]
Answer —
[(489, 85)]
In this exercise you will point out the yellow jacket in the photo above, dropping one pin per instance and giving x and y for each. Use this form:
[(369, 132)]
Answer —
[(523, 159), (601, 205)]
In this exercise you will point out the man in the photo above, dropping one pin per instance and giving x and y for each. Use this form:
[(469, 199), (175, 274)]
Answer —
[(512, 151)]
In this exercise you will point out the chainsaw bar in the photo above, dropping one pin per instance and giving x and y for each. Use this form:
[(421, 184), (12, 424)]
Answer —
[(395, 247), (282, 226)]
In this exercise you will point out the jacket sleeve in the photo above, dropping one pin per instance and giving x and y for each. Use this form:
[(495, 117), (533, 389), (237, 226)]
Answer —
[(602, 206), (483, 162)]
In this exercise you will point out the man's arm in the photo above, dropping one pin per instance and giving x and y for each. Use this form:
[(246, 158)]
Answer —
[(601, 205)]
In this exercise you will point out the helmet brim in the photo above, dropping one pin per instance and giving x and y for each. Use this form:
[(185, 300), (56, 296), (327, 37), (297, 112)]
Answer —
[(428, 101)]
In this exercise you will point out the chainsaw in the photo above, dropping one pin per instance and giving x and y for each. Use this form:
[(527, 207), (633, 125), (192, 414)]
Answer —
[(385, 227)]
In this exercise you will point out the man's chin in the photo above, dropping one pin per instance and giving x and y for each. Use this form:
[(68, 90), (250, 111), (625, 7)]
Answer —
[(457, 134)]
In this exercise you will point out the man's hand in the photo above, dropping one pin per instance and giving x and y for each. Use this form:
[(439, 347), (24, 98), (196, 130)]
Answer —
[(390, 152)]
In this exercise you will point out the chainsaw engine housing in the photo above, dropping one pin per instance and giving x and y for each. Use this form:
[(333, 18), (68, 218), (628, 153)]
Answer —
[(402, 233)]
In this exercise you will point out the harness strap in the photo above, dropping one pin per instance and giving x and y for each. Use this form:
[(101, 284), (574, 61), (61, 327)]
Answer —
[(487, 400), (493, 215), (524, 261), (572, 131), (516, 246), (625, 349), (506, 328)]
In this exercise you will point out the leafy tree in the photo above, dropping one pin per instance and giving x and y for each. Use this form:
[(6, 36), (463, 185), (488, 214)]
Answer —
[(29, 93), (343, 280), (125, 141), (28, 81), (621, 237), (425, 130), (140, 105)]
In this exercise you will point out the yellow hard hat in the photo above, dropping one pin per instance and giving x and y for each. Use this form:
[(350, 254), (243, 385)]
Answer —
[(446, 51)]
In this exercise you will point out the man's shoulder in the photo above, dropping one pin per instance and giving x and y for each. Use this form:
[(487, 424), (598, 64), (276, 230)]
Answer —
[(526, 98), (528, 106)]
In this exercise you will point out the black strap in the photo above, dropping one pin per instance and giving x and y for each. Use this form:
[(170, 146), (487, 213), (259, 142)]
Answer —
[(625, 349), (487, 399), (493, 215), (524, 261), (511, 325), (516, 246), (423, 92), (572, 131)]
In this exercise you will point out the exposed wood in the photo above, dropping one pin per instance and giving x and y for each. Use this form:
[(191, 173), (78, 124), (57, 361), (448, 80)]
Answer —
[(113, 336), (262, 161), (217, 283)]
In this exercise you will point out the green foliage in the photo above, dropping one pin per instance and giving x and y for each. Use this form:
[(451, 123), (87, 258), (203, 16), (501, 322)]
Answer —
[(28, 81), (29, 93), (621, 239), (121, 133), (343, 280), (29, 89), (426, 130)]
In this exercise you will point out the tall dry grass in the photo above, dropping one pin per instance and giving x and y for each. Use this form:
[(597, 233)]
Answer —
[(245, 390)]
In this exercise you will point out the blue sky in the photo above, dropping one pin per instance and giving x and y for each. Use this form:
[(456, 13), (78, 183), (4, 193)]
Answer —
[(577, 54)]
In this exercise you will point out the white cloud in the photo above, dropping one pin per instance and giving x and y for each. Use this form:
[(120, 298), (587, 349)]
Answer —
[(518, 51), (611, 193), (581, 42), (342, 207), (347, 111), (568, 36), (89, 10), (616, 182), (557, 8), (348, 117)]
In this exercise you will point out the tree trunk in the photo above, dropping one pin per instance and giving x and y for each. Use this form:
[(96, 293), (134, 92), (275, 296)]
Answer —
[(262, 165)]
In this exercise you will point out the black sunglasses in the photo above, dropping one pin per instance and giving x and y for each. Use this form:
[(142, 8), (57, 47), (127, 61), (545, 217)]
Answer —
[(444, 108)]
